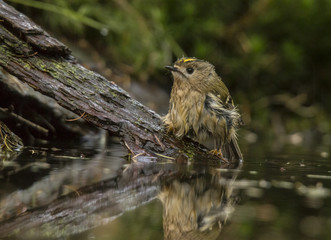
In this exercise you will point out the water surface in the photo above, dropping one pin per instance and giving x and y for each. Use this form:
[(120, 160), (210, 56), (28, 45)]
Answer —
[(94, 194)]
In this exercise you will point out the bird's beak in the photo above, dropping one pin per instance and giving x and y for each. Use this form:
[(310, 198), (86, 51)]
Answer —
[(172, 69)]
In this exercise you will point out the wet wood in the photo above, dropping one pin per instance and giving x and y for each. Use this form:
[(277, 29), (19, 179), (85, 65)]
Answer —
[(30, 54), (34, 35), (39, 119)]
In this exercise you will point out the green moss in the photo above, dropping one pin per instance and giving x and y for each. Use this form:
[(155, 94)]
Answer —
[(59, 65), (190, 153), (69, 81), (27, 66), (41, 65), (113, 94)]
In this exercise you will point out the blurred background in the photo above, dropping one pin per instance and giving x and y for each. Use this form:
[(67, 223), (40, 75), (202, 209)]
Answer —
[(274, 56)]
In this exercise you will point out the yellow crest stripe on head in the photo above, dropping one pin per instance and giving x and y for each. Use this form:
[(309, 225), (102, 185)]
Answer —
[(184, 60), (189, 59)]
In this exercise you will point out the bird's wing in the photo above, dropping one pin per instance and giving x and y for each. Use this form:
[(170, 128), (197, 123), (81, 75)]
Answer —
[(224, 105), (227, 103)]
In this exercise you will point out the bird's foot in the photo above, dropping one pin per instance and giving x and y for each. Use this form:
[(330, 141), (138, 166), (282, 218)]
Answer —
[(218, 153)]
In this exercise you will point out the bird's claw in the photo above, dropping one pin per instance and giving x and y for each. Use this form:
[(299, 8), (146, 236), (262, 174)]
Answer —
[(218, 153)]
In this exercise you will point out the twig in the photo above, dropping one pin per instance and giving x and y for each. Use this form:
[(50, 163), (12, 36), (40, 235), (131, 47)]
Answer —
[(5, 142), (26, 56), (135, 156), (160, 155), (159, 142), (128, 147), (73, 189), (75, 119)]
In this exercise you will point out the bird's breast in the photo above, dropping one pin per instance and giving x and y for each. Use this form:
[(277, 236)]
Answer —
[(185, 112)]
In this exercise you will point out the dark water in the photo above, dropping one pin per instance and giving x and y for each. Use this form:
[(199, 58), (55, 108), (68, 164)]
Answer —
[(91, 194)]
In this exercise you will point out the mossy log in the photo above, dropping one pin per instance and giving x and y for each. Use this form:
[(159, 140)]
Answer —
[(46, 64)]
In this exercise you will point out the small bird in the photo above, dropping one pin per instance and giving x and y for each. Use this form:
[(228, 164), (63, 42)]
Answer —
[(201, 108)]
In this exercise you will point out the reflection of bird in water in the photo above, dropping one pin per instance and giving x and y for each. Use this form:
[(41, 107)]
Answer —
[(195, 210)]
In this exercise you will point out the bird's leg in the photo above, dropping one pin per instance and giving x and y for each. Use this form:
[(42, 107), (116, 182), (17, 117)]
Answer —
[(218, 153)]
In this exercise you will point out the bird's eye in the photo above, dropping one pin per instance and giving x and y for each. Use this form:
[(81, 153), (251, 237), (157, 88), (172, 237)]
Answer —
[(189, 70)]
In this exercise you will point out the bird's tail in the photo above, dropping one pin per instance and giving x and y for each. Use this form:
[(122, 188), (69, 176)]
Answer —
[(232, 150)]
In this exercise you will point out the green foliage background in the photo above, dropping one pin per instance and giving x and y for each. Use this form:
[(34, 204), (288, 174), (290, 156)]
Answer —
[(273, 54)]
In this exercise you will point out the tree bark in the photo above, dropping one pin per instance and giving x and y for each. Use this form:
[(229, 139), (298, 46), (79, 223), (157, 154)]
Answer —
[(34, 57)]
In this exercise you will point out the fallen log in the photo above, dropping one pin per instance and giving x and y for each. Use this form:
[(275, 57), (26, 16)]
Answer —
[(44, 63)]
